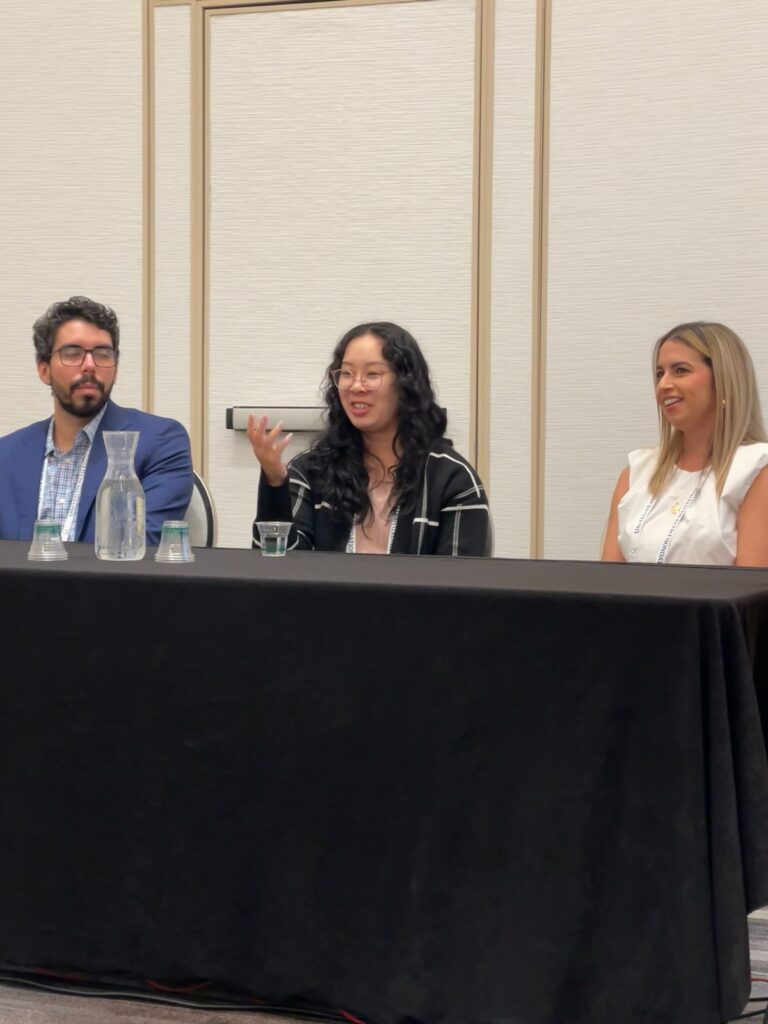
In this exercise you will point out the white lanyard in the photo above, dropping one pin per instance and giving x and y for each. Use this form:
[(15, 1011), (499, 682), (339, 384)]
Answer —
[(351, 549), (664, 549), (74, 504)]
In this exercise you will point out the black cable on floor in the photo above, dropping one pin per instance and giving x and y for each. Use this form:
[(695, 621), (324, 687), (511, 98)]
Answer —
[(138, 995)]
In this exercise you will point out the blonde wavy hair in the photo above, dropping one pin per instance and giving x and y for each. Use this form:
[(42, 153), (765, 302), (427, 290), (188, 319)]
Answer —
[(738, 419)]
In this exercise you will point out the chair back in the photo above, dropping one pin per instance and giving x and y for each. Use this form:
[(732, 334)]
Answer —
[(201, 516), (490, 540)]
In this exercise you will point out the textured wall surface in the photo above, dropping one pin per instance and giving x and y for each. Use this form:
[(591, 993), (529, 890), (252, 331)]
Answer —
[(70, 180), (341, 163), (512, 249), (172, 212)]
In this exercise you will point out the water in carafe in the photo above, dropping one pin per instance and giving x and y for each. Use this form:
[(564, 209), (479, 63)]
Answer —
[(120, 515)]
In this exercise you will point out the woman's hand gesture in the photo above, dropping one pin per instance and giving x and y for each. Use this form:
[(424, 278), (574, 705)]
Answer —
[(268, 446)]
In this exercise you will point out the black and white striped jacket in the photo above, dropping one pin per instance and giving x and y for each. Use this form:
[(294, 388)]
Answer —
[(451, 515)]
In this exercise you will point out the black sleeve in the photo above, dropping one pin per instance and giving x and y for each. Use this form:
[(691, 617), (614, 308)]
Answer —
[(291, 502)]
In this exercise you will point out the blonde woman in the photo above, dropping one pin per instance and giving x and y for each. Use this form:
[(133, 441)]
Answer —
[(701, 497)]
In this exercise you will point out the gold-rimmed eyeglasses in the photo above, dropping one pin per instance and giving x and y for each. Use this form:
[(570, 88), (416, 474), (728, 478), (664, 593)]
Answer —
[(369, 379)]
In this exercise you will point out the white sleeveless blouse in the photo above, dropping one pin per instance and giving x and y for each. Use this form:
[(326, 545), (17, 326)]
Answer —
[(687, 523)]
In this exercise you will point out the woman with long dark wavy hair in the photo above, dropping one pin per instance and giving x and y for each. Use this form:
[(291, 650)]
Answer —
[(382, 477)]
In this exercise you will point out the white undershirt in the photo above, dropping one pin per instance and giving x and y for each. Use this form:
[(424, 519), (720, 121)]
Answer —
[(374, 537)]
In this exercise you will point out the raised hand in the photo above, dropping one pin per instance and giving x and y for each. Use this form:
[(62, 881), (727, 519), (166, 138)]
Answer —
[(268, 446)]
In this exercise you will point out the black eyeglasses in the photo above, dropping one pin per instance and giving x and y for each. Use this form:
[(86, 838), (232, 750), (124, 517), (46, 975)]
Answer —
[(370, 379), (74, 355)]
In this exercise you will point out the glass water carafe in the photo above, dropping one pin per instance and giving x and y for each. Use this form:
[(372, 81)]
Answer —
[(120, 530)]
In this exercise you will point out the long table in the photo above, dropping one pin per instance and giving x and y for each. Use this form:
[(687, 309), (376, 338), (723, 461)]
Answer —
[(427, 790)]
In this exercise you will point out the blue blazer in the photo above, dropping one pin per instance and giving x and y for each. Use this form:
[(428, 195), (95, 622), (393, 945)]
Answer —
[(163, 464)]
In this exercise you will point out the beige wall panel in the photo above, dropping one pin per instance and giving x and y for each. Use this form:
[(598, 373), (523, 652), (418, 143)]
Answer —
[(513, 138), (70, 180), (658, 213), (172, 212), (341, 191)]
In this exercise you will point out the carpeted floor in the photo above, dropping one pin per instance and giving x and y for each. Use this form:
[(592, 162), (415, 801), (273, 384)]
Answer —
[(758, 942), (758, 945), (24, 1005)]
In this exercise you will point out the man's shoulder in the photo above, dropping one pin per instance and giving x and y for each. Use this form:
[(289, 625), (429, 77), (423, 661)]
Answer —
[(33, 431), (124, 417)]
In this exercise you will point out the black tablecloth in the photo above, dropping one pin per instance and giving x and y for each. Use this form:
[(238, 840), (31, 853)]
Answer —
[(420, 789)]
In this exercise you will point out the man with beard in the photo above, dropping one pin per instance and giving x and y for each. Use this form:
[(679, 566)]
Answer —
[(52, 469)]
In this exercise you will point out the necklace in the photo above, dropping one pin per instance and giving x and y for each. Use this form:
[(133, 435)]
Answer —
[(675, 507), (677, 510)]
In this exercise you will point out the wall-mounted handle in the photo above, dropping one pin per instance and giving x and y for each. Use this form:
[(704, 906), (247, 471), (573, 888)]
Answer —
[(294, 417)]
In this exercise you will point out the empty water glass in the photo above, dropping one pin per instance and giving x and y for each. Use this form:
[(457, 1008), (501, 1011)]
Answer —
[(273, 538), (174, 542), (47, 545)]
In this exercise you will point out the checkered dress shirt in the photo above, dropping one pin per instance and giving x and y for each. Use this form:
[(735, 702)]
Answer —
[(62, 471)]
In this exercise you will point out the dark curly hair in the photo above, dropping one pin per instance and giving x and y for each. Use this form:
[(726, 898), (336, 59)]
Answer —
[(336, 457), (79, 307)]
